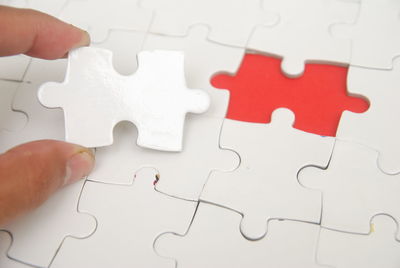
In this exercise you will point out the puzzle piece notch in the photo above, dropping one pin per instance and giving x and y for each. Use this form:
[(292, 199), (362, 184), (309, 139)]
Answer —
[(382, 89), (183, 174), (213, 240), (156, 106), (318, 98), (10, 120), (175, 17), (353, 193), (202, 60), (126, 15), (48, 226), (265, 188), (125, 229), (374, 36), (303, 36), (379, 248)]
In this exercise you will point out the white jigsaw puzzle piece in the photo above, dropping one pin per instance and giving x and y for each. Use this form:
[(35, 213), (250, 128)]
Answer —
[(375, 250), (99, 17), (125, 45), (353, 188), (52, 7), (181, 174), (5, 243), (38, 235), (95, 98), (377, 127), (129, 220), (9, 120), (265, 185), (175, 17), (375, 35), (213, 240), (203, 59), (302, 34)]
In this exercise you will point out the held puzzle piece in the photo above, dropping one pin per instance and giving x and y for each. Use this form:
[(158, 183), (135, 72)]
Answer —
[(213, 240), (182, 174), (354, 189), (95, 98), (129, 219), (377, 249), (303, 36), (175, 17), (265, 185), (202, 60), (38, 235), (378, 127), (375, 35), (317, 98)]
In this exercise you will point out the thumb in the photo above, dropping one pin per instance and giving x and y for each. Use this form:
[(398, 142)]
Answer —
[(31, 172)]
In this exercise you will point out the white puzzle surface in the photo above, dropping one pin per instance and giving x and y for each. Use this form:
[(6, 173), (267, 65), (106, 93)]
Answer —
[(202, 190)]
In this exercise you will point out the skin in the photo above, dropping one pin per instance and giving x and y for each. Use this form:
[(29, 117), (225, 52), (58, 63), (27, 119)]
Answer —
[(32, 172)]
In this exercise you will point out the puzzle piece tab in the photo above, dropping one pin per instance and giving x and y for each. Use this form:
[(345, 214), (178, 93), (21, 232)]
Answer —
[(5, 243), (353, 188), (202, 60), (265, 185), (213, 240), (377, 249), (302, 33), (175, 17), (95, 98), (317, 98), (130, 218)]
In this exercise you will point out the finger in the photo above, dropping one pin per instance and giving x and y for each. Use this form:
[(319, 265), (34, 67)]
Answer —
[(30, 32), (31, 172)]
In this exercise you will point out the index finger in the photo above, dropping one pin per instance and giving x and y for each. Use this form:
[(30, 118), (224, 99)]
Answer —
[(30, 32)]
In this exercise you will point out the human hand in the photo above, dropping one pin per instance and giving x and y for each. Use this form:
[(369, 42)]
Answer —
[(31, 172)]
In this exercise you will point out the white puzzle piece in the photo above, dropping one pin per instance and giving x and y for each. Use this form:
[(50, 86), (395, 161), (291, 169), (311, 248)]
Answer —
[(203, 59), (5, 243), (95, 98), (52, 7), (375, 35), (9, 120), (265, 185), (125, 45), (38, 235), (181, 174), (175, 17), (13, 67), (353, 188), (302, 34), (99, 17), (129, 220), (376, 250), (378, 127), (213, 240)]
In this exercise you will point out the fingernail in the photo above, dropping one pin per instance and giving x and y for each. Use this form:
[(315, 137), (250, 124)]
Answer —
[(79, 166), (84, 41)]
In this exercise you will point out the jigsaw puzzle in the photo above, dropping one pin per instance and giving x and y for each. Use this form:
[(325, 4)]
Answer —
[(294, 161)]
